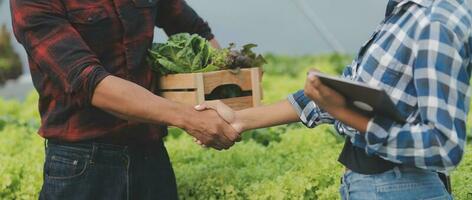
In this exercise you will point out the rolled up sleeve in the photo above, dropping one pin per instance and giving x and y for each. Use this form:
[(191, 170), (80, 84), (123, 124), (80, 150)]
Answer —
[(58, 50), (310, 114)]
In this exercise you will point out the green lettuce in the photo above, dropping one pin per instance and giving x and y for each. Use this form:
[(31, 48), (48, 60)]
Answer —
[(185, 53)]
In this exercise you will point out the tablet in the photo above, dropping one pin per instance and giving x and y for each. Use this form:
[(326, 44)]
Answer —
[(366, 99)]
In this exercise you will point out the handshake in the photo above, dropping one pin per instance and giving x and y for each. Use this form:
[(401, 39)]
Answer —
[(215, 125)]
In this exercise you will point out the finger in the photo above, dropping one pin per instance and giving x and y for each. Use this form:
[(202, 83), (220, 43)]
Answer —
[(208, 140), (200, 143), (313, 94), (208, 105), (201, 107), (311, 72), (311, 91), (324, 91), (315, 82), (224, 140), (218, 147), (231, 133), (213, 145), (219, 143), (214, 104), (239, 137), (224, 111)]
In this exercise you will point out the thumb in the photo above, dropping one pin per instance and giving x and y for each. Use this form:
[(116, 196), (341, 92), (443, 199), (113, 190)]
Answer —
[(213, 105), (204, 106)]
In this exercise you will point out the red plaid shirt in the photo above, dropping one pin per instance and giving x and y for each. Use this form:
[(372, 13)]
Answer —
[(72, 45)]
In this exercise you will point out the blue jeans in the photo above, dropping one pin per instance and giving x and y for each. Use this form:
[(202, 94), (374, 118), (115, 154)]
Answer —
[(399, 183), (103, 171)]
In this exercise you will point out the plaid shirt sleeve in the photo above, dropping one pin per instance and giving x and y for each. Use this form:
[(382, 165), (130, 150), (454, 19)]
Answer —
[(41, 26), (310, 114), (437, 141), (176, 16)]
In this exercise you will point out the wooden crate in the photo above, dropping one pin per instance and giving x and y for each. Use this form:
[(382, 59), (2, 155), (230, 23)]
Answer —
[(191, 88)]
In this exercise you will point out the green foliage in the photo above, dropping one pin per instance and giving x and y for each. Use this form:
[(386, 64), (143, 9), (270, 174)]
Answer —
[(21, 149), (267, 136), (185, 53), (284, 162), (295, 66), (294, 168), (10, 64), (469, 124), (246, 57), (21, 158), (462, 177)]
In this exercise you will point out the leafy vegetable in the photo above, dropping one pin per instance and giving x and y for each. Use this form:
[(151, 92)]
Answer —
[(185, 53)]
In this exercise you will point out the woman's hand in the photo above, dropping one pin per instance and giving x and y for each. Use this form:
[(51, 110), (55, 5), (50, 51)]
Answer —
[(323, 96), (253, 118), (334, 103), (225, 112)]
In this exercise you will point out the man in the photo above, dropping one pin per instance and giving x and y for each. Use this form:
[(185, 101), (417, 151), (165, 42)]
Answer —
[(103, 126), (421, 56)]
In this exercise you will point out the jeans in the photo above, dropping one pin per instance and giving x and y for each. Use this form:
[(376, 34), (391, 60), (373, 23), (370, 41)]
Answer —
[(398, 183), (103, 171)]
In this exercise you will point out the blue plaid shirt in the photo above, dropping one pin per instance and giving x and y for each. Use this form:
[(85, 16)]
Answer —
[(420, 55)]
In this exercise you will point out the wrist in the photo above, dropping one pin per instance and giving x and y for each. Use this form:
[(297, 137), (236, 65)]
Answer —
[(179, 116), (239, 124)]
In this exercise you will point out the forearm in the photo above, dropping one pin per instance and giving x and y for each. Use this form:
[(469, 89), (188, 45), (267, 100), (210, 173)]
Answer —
[(350, 118), (266, 116), (132, 102)]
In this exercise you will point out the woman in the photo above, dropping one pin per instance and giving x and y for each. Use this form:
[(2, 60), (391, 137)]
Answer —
[(420, 55)]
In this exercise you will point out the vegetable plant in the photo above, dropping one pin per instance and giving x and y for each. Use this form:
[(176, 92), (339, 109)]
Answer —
[(185, 53)]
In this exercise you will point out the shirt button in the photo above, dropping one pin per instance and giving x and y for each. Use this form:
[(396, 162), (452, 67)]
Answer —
[(90, 19)]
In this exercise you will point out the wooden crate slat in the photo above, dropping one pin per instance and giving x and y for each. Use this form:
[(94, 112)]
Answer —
[(256, 86), (189, 98), (214, 79), (200, 88), (191, 88), (178, 81), (239, 103)]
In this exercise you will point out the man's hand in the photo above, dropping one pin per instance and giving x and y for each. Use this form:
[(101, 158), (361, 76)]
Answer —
[(211, 130), (224, 111), (140, 105)]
